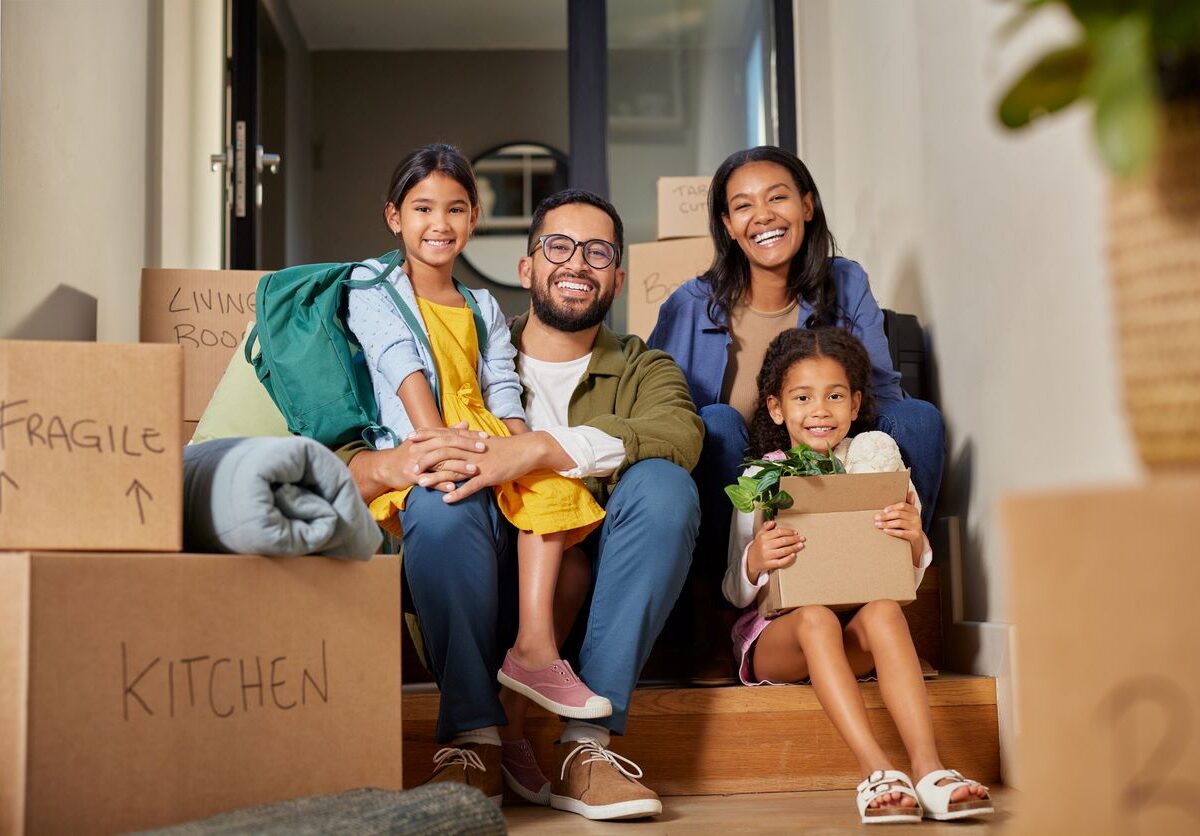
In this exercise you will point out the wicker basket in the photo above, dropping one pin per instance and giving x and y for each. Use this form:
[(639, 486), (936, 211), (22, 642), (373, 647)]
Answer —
[(1154, 230)]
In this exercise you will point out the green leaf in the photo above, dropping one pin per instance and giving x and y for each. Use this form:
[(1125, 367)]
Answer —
[(741, 500), (1123, 84), (767, 480), (1051, 84), (1176, 26), (783, 500)]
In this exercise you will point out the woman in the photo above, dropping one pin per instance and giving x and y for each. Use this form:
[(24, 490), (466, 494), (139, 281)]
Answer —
[(774, 268)]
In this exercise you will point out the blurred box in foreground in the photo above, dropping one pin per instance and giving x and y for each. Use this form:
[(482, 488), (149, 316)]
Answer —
[(1107, 663)]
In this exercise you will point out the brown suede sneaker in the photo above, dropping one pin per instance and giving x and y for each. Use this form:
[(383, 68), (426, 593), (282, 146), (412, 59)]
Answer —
[(592, 782), (474, 764)]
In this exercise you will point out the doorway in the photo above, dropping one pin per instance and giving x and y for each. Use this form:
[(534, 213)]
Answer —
[(617, 92)]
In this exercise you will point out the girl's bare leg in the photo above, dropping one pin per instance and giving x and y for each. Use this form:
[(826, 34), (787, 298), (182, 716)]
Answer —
[(538, 560), (878, 637), (574, 580), (807, 642)]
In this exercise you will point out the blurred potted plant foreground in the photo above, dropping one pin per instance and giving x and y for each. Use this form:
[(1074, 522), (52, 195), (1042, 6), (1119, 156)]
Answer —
[(1137, 63)]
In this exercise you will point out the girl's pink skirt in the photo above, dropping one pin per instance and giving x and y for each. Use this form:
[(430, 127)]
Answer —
[(745, 633)]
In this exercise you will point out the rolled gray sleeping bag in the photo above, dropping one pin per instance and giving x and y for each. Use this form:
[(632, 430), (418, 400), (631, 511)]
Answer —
[(273, 496)]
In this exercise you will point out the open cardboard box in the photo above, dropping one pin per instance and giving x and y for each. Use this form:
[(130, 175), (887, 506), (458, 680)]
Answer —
[(846, 560), (142, 690)]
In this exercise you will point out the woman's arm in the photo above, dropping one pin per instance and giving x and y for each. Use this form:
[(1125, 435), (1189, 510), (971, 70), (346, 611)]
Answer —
[(866, 323)]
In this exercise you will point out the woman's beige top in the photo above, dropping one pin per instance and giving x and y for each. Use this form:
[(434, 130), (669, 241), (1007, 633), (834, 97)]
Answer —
[(751, 332)]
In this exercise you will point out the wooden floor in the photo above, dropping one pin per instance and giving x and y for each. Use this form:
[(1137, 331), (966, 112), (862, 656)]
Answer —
[(826, 813)]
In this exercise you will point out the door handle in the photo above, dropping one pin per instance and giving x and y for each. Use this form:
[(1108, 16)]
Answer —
[(265, 159), (218, 161)]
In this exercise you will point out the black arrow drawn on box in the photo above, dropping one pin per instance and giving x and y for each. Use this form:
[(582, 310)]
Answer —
[(4, 477), (138, 489)]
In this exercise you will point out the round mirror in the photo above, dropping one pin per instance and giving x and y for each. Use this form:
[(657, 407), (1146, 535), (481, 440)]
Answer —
[(513, 179)]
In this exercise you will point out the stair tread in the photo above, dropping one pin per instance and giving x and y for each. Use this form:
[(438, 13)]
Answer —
[(698, 740), (948, 689)]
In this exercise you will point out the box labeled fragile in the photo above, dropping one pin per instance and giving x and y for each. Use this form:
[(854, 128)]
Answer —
[(655, 270), (683, 207), (142, 690), (206, 312), (90, 448), (846, 560)]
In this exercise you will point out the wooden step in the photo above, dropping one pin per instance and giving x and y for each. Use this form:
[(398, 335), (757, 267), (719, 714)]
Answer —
[(704, 741), (670, 659)]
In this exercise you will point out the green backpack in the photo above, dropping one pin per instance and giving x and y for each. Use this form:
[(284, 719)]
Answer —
[(310, 362)]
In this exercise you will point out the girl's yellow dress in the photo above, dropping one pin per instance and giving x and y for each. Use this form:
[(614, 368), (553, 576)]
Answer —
[(544, 503)]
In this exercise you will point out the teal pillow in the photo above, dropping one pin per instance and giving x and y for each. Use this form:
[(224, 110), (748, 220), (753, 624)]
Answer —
[(240, 406)]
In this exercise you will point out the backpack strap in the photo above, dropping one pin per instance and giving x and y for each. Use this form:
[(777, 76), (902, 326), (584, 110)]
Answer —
[(481, 331), (406, 312)]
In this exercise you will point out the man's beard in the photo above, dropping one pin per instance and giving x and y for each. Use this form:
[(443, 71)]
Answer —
[(568, 319)]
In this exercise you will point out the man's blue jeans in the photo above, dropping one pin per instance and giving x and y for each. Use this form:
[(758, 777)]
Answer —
[(460, 563)]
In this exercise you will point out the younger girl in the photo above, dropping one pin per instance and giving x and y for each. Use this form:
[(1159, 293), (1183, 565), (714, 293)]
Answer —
[(813, 388), (428, 337)]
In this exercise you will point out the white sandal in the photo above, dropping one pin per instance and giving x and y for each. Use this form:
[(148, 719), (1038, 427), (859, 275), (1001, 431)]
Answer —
[(881, 782), (935, 799)]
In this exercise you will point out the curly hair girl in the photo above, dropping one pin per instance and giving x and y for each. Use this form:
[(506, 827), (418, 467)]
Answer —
[(792, 347)]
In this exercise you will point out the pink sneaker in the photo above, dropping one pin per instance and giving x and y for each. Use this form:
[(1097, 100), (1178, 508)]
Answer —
[(521, 772), (555, 688)]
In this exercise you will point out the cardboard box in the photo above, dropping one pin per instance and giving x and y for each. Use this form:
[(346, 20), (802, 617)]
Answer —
[(655, 270), (90, 453), (206, 312), (1106, 662), (683, 207), (846, 560), (144, 690)]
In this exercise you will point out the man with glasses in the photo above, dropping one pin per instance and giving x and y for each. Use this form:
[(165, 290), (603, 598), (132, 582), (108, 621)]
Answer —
[(601, 407)]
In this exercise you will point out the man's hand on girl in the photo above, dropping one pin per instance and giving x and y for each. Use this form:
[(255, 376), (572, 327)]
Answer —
[(772, 548), (506, 459), (904, 521), (436, 457)]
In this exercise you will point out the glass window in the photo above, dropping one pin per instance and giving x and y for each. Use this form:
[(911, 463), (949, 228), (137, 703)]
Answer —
[(689, 82)]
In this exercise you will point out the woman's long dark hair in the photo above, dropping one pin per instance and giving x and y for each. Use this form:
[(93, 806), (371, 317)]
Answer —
[(791, 347), (810, 277)]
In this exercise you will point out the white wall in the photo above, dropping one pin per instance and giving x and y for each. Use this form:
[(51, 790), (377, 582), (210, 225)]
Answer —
[(190, 195), (996, 240), (73, 156)]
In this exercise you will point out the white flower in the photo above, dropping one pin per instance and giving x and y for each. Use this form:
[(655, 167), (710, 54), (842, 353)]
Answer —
[(873, 452)]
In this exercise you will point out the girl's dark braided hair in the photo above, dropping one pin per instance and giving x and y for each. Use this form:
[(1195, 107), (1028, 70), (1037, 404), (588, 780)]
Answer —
[(799, 344)]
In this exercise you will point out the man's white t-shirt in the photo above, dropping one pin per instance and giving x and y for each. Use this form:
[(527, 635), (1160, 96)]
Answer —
[(549, 387)]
